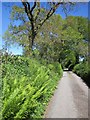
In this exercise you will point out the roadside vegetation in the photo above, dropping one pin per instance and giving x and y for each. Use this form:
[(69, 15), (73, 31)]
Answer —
[(27, 86), (83, 70)]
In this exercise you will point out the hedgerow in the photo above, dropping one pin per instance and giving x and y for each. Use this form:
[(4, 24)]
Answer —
[(27, 86), (83, 70)]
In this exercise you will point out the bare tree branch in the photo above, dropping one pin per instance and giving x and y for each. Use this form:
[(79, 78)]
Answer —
[(49, 14), (33, 6), (34, 19), (29, 14), (38, 10)]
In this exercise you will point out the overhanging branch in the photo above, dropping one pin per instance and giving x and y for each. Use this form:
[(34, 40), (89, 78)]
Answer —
[(49, 14)]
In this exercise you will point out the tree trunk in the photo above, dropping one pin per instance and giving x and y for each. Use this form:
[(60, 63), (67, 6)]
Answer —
[(31, 44), (77, 58)]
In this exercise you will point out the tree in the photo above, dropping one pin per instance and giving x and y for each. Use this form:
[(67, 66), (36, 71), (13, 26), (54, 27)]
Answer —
[(32, 16), (75, 32), (34, 19), (64, 43), (49, 41)]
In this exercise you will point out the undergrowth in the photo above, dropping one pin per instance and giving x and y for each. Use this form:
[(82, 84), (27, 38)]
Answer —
[(27, 86)]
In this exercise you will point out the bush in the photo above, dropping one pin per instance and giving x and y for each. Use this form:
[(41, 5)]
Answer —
[(27, 87), (83, 71)]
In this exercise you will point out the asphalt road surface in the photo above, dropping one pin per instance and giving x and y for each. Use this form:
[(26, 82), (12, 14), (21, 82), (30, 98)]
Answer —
[(70, 99)]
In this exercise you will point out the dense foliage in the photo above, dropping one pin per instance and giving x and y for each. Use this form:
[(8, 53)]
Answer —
[(27, 86), (83, 70)]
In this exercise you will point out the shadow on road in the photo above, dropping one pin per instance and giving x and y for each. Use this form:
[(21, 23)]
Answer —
[(86, 81)]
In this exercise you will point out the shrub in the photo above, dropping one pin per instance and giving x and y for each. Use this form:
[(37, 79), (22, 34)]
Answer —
[(27, 87), (83, 71)]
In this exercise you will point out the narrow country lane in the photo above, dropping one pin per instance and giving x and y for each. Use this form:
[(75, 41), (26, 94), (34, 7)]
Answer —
[(70, 99)]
